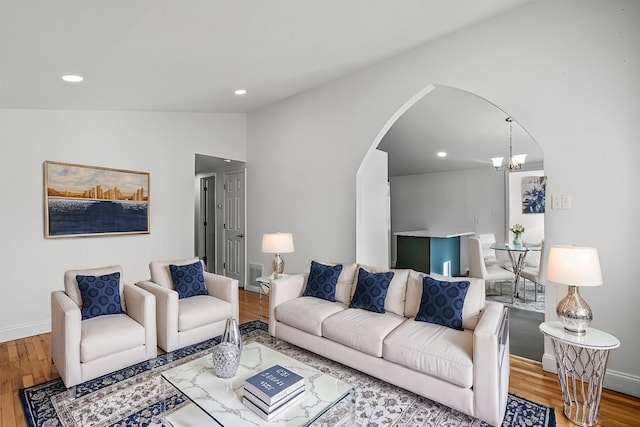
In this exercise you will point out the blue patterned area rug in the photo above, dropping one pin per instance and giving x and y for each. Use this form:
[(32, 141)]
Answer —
[(132, 396)]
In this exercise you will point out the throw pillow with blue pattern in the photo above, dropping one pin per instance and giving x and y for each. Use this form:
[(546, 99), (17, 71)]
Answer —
[(100, 295), (371, 290), (322, 281), (188, 280), (442, 302)]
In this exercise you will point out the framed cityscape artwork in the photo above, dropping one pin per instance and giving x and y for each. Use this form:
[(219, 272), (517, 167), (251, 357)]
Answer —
[(94, 201), (534, 190)]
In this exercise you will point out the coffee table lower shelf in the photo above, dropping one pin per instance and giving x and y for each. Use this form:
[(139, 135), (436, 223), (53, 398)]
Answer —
[(218, 402)]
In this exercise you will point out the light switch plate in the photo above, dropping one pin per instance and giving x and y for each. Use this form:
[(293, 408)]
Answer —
[(566, 201), (555, 202)]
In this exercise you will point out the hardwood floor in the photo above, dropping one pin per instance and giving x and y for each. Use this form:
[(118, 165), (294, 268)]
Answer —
[(26, 362)]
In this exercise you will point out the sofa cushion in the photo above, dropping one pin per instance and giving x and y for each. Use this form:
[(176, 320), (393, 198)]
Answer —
[(201, 310), (396, 294), (100, 295), (371, 290), (474, 301), (307, 313), (433, 349), (346, 281), (360, 329), (322, 281), (188, 280), (442, 302), (109, 334)]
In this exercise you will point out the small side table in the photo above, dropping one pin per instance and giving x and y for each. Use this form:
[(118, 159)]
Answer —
[(264, 284), (581, 361)]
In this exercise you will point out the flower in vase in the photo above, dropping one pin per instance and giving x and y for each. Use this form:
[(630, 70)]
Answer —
[(517, 229)]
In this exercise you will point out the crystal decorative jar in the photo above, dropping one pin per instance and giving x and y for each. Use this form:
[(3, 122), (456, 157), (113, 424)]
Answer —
[(226, 355)]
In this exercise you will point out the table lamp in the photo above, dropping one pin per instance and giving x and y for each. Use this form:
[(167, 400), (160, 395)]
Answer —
[(574, 266), (277, 243)]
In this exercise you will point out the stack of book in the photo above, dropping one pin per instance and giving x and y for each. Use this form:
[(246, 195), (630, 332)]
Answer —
[(272, 391)]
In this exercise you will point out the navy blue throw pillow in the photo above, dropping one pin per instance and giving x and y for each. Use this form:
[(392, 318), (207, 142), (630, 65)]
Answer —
[(371, 290), (100, 295), (188, 280), (322, 281), (442, 302)]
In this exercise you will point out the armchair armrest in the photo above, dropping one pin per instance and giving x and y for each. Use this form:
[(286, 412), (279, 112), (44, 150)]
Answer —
[(166, 313), (141, 307), (491, 363), (65, 337), (225, 289), (284, 289)]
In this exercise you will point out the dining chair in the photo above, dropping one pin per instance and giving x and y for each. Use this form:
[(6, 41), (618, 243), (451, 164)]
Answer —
[(478, 268), (538, 274)]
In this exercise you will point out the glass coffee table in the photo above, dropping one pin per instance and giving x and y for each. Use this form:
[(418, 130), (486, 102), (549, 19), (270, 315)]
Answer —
[(217, 401)]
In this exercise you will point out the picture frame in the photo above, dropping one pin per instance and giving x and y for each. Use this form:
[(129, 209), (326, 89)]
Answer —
[(81, 200), (534, 189)]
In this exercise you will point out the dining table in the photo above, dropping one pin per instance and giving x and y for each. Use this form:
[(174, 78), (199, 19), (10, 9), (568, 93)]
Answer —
[(517, 255)]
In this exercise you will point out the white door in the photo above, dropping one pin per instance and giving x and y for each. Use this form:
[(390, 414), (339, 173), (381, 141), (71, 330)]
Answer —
[(234, 226)]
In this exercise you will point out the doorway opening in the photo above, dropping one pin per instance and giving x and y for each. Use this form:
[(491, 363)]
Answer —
[(219, 216)]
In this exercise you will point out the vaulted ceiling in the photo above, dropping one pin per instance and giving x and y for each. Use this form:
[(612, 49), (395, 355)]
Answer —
[(190, 55)]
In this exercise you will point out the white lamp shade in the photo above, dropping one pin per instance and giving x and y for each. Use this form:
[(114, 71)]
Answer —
[(519, 159), (574, 265), (277, 243), (497, 161)]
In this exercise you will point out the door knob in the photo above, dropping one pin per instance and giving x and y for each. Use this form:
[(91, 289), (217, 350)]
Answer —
[(241, 235)]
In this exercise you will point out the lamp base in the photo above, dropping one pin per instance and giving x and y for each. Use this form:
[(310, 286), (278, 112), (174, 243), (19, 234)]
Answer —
[(277, 266), (574, 312)]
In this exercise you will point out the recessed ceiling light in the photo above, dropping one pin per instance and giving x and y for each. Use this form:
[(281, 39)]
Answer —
[(441, 154), (227, 160), (240, 91), (72, 78)]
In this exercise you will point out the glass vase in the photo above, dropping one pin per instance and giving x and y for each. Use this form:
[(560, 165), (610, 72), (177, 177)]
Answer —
[(226, 355), (517, 241)]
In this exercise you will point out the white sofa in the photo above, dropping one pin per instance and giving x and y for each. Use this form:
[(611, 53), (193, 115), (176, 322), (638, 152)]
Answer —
[(467, 370)]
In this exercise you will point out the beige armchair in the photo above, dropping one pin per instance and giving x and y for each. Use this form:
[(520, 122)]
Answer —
[(186, 321), (86, 349)]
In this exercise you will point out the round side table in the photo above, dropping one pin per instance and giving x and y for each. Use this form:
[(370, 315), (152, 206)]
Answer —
[(581, 361)]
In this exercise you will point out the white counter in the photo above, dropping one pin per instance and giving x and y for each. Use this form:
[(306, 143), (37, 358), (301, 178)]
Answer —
[(441, 234)]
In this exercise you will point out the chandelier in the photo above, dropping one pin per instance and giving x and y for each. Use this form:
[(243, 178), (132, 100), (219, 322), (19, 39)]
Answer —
[(515, 162)]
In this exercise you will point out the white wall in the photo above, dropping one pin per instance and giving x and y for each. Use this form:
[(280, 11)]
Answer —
[(373, 211), (468, 200), (567, 71), (163, 144)]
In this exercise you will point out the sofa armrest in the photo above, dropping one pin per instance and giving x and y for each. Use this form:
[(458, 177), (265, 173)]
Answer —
[(225, 289), (166, 313), (284, 289), (491, 363), (65, 337), (141, 307)]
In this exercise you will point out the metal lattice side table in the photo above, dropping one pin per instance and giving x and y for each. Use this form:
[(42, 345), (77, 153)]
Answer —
[(581, 361)]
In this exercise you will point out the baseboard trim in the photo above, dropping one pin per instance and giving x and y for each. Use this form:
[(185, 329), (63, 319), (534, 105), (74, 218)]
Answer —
[(613, 380), (25, 330)]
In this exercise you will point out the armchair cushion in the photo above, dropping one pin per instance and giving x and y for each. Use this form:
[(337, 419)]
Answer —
[(72, 289), (188, 280), (106, 335), (202, 310), (100, 294)]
